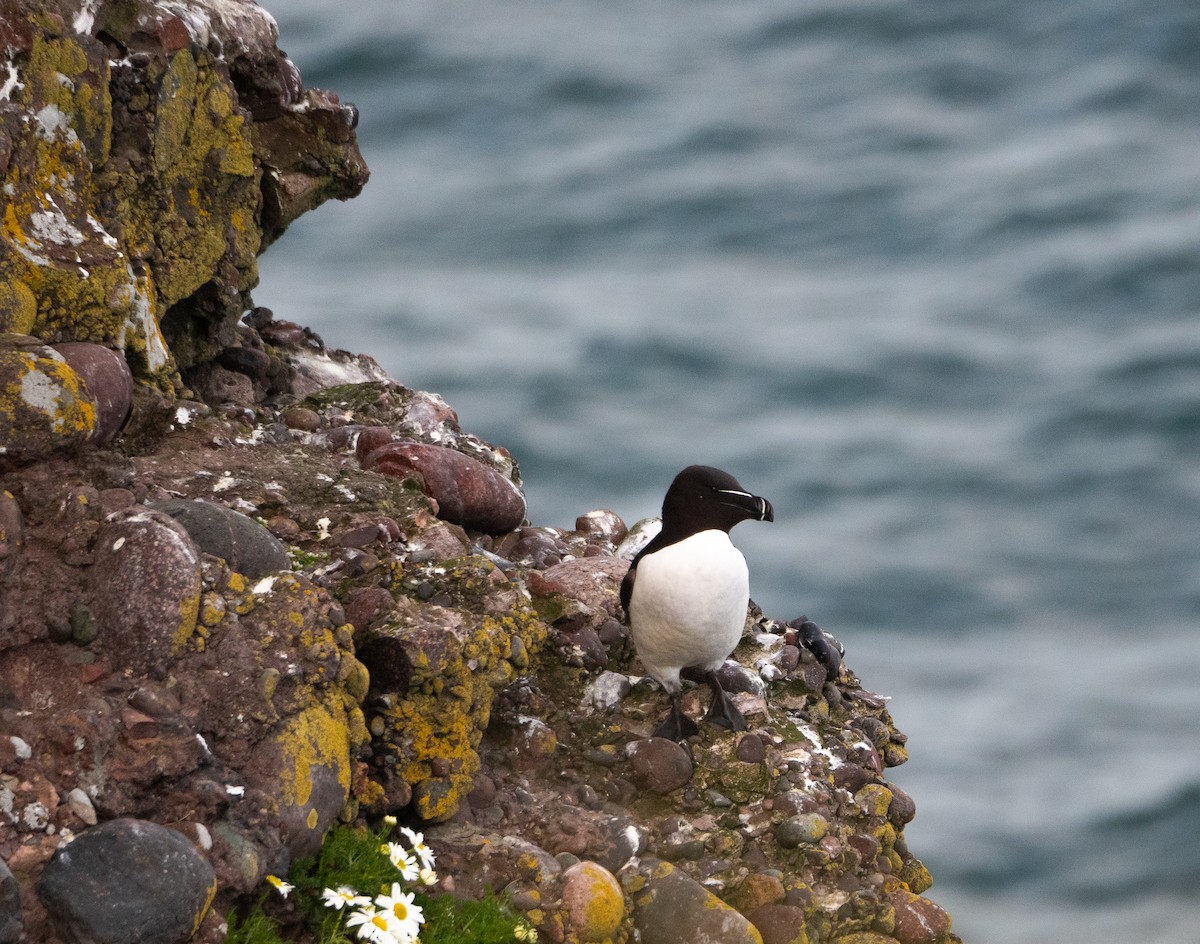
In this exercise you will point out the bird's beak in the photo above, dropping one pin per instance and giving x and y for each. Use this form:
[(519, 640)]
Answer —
[(755, 506)]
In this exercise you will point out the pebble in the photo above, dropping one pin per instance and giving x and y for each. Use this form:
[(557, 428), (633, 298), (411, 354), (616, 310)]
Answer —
[(623, 839), (242, 542), (751, 750), (603, 524), (582, 646), (127, 880), (659, 765), (736, 678), (607, 691), (302, 418), (79, 803), (802, 829), (903, 807)]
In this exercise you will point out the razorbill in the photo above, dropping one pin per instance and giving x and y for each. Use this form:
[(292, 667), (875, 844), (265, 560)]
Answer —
[(687, 590)]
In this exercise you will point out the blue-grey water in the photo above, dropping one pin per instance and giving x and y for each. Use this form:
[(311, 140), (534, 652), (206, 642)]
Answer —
[(926, 274)]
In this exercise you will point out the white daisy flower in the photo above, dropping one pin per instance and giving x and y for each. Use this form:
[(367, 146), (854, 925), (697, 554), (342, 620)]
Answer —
[(399, 906), (427, 876), (375, 926), (280, 885), (389, 820), (338, 898), (400, 859), (417, 841)]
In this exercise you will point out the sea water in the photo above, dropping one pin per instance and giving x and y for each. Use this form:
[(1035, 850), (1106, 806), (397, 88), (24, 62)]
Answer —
[(925, 274)]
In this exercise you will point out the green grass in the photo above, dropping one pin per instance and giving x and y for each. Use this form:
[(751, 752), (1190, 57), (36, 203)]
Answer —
[(255, 928), (351, 857)]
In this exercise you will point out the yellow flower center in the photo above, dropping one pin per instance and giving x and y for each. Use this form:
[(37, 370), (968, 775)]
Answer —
[(380, 922), (400, 910)]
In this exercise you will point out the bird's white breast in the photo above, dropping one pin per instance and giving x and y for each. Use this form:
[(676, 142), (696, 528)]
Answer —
[(689, 605)]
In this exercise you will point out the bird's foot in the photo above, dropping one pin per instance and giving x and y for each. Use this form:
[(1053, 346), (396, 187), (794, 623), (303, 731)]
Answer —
[(722, 712), (678, 726)]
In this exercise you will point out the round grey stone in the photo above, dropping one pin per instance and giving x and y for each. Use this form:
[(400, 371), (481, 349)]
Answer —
[(245, 545), (127, 881)]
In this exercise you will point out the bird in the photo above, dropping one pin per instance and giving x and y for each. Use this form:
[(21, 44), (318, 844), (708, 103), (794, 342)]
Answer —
[(686, 592)]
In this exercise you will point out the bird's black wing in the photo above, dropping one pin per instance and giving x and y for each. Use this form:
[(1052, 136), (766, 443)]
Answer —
[(631, 575), (627, 588)]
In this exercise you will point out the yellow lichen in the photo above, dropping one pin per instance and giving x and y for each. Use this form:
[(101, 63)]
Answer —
[(316, 738), (189, 615)]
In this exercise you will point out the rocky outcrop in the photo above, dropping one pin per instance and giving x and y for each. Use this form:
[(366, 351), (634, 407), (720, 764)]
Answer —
[(253, 588), (149, 152)]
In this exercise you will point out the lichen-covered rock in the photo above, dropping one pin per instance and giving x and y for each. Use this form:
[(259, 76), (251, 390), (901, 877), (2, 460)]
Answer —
[(593, 900), (127, 880), (146, 589), (44, 407), (437, 667), (242, 542), (670, 906), (108, 379), (467, 492), (141, 141)]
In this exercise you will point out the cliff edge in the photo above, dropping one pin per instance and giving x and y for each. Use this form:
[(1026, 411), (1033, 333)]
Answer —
[(251, 588)]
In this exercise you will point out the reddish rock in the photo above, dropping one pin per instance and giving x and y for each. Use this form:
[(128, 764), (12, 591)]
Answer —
[(751, 750), (367, 605), (283, 333), (779, 924), (659, 765), (302, 418), (593, 581), (147, 589), (535, 547), (468, 492), (918, 920), (441, 541), (902, 808), (603, 524), (109, 381)]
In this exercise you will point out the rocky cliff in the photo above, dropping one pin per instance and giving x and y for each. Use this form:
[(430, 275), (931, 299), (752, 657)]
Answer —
[(252, 588)]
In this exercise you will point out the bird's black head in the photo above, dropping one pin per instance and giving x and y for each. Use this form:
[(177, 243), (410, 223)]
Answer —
[(702, 497)]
